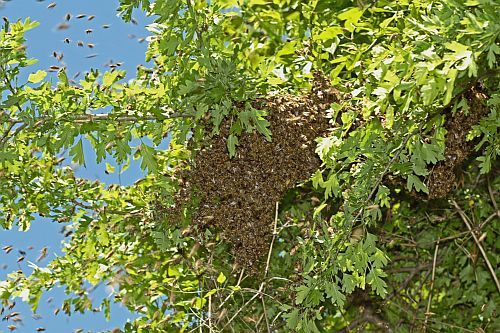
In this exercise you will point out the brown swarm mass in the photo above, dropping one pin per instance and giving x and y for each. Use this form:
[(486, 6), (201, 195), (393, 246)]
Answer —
[(442, 177), (238, 196)]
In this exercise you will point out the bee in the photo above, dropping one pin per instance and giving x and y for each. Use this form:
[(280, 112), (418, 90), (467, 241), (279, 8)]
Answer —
[(91, 17), (90, 45), (93, 55), (88, 31), (7, 248), (105, 26), (67, 17), (79, 16), (63, 26), (51, 5), (80, 43), (43, 254), (67, 40)]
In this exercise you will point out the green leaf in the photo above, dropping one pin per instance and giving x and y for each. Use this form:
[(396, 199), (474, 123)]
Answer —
[(106, 308), (414, 181), (374, 279), (262, 126), (292, 318), (232, 142), (76, 152), (348, 283), (302, 292), (37, 77), (379, 259), (103, 236), (333, 292), (331, 186), (352, 14), (329, 33), (148, 158), (315, 297), (109, 78), (221, 278), (109, 168)]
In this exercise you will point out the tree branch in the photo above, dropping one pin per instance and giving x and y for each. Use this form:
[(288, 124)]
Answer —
[(478, 243)]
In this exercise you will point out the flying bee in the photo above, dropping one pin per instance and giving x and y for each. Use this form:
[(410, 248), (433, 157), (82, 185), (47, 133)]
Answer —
[(79, 16), (91, 17), (51, 5), (43, 254), (63, 26), (7, 248)]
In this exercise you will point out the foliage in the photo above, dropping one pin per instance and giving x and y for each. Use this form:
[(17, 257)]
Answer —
[(361, 245)]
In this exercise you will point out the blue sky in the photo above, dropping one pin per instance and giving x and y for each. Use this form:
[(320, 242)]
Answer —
[(112, 41)]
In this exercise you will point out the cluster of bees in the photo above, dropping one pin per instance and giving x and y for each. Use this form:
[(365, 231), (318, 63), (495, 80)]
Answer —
[(442, 177), (238, 196)]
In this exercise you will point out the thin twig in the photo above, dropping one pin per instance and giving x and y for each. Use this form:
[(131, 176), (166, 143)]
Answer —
[(241, 309), (272, 241), (265, 315), (493, 201), (209, 315), (488, 219), (478, 243), (6, 133), (447, 324), (88, 118), (232, 291), (429, 301)]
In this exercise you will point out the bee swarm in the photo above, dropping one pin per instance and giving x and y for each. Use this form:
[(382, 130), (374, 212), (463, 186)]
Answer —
[(238, 196), (442, 177)]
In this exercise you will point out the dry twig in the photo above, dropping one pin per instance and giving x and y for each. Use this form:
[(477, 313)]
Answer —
[(429, 301), (478, 243)]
